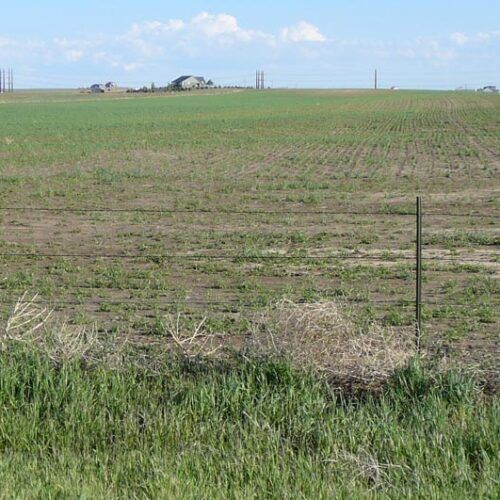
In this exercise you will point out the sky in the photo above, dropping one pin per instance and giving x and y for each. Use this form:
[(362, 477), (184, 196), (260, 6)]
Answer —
[(434, 44)]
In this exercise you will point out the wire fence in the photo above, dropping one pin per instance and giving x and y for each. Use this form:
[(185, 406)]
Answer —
[(156, 298), (388, 212)]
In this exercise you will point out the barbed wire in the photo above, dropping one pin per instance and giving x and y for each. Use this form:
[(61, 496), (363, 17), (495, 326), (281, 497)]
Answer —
[(233, 305), (245, 212), (207, 286), (243, 257), (249, 305), (208, 257)]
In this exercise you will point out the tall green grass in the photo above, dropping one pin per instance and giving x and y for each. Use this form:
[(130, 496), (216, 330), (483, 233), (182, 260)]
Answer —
[(238, 429)]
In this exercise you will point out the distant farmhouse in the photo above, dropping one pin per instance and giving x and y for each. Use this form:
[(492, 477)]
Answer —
[(190, 82), (97, 88), (489, 88)]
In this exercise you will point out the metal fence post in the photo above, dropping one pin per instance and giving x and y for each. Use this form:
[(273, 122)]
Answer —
[(418, 295)]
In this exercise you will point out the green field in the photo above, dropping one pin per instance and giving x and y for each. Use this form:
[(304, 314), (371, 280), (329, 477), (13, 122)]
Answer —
[(218, 206), (314, 151)]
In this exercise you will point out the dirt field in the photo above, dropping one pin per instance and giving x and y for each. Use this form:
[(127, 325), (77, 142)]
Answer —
[(226, 203)]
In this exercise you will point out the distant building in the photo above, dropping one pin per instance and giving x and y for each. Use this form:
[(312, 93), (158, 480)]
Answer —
[(97, 88), (489, 88), (110, 86), (190, 82)]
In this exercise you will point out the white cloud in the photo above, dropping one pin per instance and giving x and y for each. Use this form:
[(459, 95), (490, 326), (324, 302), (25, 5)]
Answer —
[(303, 32), (215, 25), (484, 37), (145, 48), (433, 50), (73, 55), (211, 26), (480, 38), (225, 28), (75, 50), (172, 38), (7, 42), (137, 38), (12, 49), (152, 38), (220, 38), (131, 66), (459, 38), (157, 27), (407, 53)]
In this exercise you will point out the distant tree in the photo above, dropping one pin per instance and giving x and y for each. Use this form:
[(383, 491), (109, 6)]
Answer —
[(210, 83), (153, 87)]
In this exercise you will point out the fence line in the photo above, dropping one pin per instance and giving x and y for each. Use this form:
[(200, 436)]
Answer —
[(209, 257), (233, 305), (246, 212), (181, 257), (139, 287), (149, 302)]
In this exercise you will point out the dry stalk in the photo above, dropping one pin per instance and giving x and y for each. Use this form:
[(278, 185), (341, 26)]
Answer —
[(368, 466), (325, 336), (26, 319), (192, 344), (58, 340), (68, 342)]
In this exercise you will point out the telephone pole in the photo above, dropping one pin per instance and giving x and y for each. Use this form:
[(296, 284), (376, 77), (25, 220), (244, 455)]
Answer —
[(6, 80), (376, 80), (259, 80)]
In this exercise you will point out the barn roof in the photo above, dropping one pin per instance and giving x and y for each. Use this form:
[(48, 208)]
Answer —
[(181, 79)]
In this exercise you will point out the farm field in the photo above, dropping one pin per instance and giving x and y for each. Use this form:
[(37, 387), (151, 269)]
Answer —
[(234, 167), (243, 211)]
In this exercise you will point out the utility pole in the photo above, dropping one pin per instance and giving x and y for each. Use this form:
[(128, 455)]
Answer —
[(376, 80), (259, 80), (6, 80)]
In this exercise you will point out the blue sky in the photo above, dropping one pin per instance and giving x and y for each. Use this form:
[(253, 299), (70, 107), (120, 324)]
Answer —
[(317, 43)]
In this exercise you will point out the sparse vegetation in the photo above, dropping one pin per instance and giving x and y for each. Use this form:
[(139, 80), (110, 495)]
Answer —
[(251, 152), (210, 354)]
